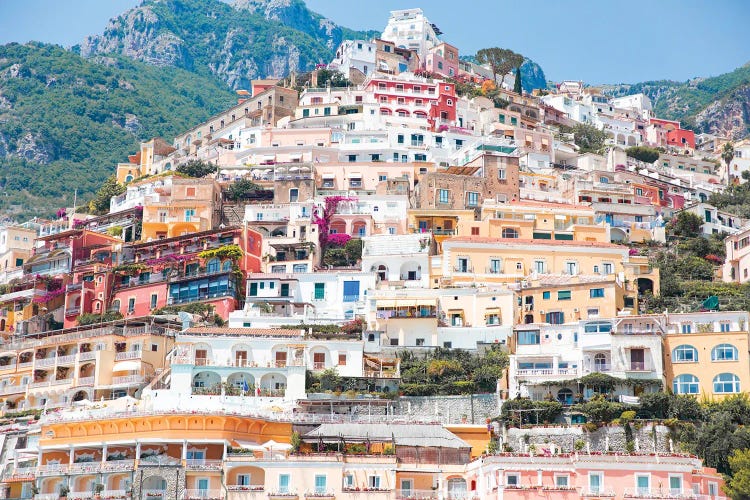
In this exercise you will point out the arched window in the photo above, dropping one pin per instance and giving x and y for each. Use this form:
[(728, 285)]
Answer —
[(726, 383), (509, 232), (213, 265), (684, 354), (115, 305), (600, 362), (226, 265), (685, 384), (724, 352)]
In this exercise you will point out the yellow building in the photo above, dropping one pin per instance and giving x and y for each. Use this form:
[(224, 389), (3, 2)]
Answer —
[(443, 224), (173, 206), (153, 158), (706, 354), (94, 362)]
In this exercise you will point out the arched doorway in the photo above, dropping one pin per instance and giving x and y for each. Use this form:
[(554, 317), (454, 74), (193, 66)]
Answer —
[(645, 285)]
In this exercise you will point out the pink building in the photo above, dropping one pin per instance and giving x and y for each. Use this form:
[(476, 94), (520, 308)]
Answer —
[(443, 60), (512, 476)]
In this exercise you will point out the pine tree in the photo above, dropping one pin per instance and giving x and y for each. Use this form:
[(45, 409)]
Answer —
[(517, 84)]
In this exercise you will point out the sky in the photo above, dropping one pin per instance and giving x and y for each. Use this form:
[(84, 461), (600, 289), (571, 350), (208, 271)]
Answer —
[(597, 41)]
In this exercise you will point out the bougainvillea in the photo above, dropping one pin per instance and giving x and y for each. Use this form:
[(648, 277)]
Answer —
[(323, 218), (338, 240)]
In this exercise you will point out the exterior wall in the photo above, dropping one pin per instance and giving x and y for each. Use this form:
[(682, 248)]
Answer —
[(737, 263)]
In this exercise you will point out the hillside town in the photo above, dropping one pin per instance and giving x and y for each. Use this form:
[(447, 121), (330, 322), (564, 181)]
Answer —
[(400, 276)]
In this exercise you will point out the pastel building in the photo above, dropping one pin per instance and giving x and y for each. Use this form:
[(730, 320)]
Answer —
[(737, 262), (706, 354)]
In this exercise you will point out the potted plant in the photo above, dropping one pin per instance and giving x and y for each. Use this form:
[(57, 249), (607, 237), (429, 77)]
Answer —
[(64, 490), (98, 488)]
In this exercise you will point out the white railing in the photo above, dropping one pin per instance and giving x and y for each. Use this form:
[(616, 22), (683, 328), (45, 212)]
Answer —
[(9, 366), (122, 356), (87, 356), (85, 381), (259, 488), (656, 493), (203, 494), (597, 492), (76, 495), (416, 495), (52, 470), (546, 371), (154, 494), (64, 360), (47, 496), (43, 363), (114, 494), (12, 389), (129, 379), (198, 464), (61, 382)]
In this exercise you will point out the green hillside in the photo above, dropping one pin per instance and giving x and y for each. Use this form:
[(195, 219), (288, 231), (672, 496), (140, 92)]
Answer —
[(66, 121)]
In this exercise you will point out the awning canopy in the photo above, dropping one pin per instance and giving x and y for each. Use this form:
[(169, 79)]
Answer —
[(329, 176), (23, 294), (127, 366)]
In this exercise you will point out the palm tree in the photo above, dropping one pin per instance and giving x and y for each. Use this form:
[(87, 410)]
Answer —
[(727, 154)]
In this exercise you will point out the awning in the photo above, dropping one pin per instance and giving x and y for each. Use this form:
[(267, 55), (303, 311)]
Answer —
[(269, 157), (560, 217), (355, 176), (295, 156), (127, 366), (329, 176)]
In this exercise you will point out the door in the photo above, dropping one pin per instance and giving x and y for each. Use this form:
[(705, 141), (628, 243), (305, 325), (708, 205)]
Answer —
[(240, 358), (406, 486), (203, 488), (637, 359), (201, 356), (285, 289), (319, 360), (253, 289), (280, 359)]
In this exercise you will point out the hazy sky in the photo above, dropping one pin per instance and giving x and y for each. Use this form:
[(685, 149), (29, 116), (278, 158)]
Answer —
[(598, 41)]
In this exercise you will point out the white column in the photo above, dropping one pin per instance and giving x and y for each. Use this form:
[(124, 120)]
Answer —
[(71, 454), (105, 450), (137, 450), (539, 476), (184, 450), (224, 452)]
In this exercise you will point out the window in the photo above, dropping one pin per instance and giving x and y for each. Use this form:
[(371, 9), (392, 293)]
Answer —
[(528, 337), (496, 266), (643, 484), (726, 383), (571, 268), (724, 352), (131, 305), (501, 174), (546, 295), (284, 483), (561, 481), (400, 139), (596, 482), (512, 479), (320, 291), (563, 295), (675, 485), (607, 268), (687, 328), (725, 326), (320, 484), (685, 384), (493, 319), (189, 214), (190, 192), (154, 298), (509, 232), (540, 266), (685, 354), (373, 482), (419, 342), (555, 318), (351, 291), (342, 359), (444, 195), (472, 199)]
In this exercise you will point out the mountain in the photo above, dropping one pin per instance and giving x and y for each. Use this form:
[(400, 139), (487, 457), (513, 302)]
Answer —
[(719, 105), (237, 41), (65, 121)]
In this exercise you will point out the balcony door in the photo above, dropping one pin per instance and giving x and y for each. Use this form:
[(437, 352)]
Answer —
[(637, 359)]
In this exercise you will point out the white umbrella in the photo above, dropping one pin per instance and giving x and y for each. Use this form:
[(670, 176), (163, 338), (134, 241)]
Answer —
[(274, 446)]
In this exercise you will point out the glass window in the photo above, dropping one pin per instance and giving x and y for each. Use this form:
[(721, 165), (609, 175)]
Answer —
[(724, 352), (528, 337), (561, 480), (444, 195), (726, 383), (675, 485), (320, 484), (596, 293), (685, 384), (546, 295), (320, 291), (509, 232), (595, 482), (563, 295), (555, 318), (642, 483), (685, 354), (284, 483), (472, 199)]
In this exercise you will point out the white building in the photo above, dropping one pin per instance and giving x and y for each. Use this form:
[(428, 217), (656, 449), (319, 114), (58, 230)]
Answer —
[(398, 260), (640, 103), (716, 221), (359, 55), (241, 367), (410, 29)]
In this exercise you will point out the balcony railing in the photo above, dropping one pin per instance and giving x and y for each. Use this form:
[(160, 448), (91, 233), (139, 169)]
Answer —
[(129, 379), (85, 381), (657, 493), (203, 494), (541, 372), (66, 360), (86, 356), (416, 495), (52, 470), (197, 464), (319, 365), (44, 363), (155, 494), (597, 492), (246, 487), (639, 366), (320, 494), (123, 356), (12, 389), (602, 368)]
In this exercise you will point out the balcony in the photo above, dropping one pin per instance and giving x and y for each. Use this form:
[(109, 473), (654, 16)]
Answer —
[(281, 495), (658, 493), (639, 366), (203, 465), (319, 365), (416, 495), (320, 494), (74, 286), (597, 492), (203, 494), (86, 356), (86, 381), (66, 360), (124, 356), (114, 494), (544, 372), (251, 488), (602, 368), (72, 311), (128, 380), (12, 389), (52, 470), (44, 363), (155, 494), (463, 269)]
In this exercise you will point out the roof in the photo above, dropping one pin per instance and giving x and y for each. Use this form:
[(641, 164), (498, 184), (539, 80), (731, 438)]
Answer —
[(519, 241), (422, 435), (162, 147), (256, 332)]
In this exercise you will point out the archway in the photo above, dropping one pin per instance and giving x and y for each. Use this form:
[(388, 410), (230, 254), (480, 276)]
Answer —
[(645, 285), (410, 271)]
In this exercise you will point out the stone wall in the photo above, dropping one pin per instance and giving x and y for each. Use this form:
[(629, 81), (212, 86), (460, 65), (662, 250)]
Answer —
[(469, 408), (649, 438), (173, 475)]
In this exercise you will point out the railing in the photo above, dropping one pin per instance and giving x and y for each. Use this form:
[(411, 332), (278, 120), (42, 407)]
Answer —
[(21, 473), (203, 494), (52, 470), (117, 466), (319, 365), (64, 360), (639, 366), (463, 269), (123, 356), (198, 464), (72, 311), (129, 379), (381, 373), (114, 494), (74, 286), (86, 356), (416, 495), (12, 389), (546, 371), (204, 296), (602, 368), (25, 366), (154, 494), (597, 492), (9, 366), (654, 493), (46, 362), (320, 494), (62, 381), (47, 496), (85, 381), (246, 487)]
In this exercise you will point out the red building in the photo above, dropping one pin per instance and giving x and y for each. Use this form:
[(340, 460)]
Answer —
[(681, 138), (433, 101)]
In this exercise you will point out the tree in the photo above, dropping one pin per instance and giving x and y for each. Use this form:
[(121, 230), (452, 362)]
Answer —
[(727, 154), (197, 168), (353, 250), (687, 225), (517, 88), (643, 153), (738, 487), (588, 138), (241, 189), (500, 61), (111, 188)]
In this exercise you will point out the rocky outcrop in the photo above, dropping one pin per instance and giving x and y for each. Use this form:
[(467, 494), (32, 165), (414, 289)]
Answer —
[(729, 116), (30, 147), (532, 76)]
